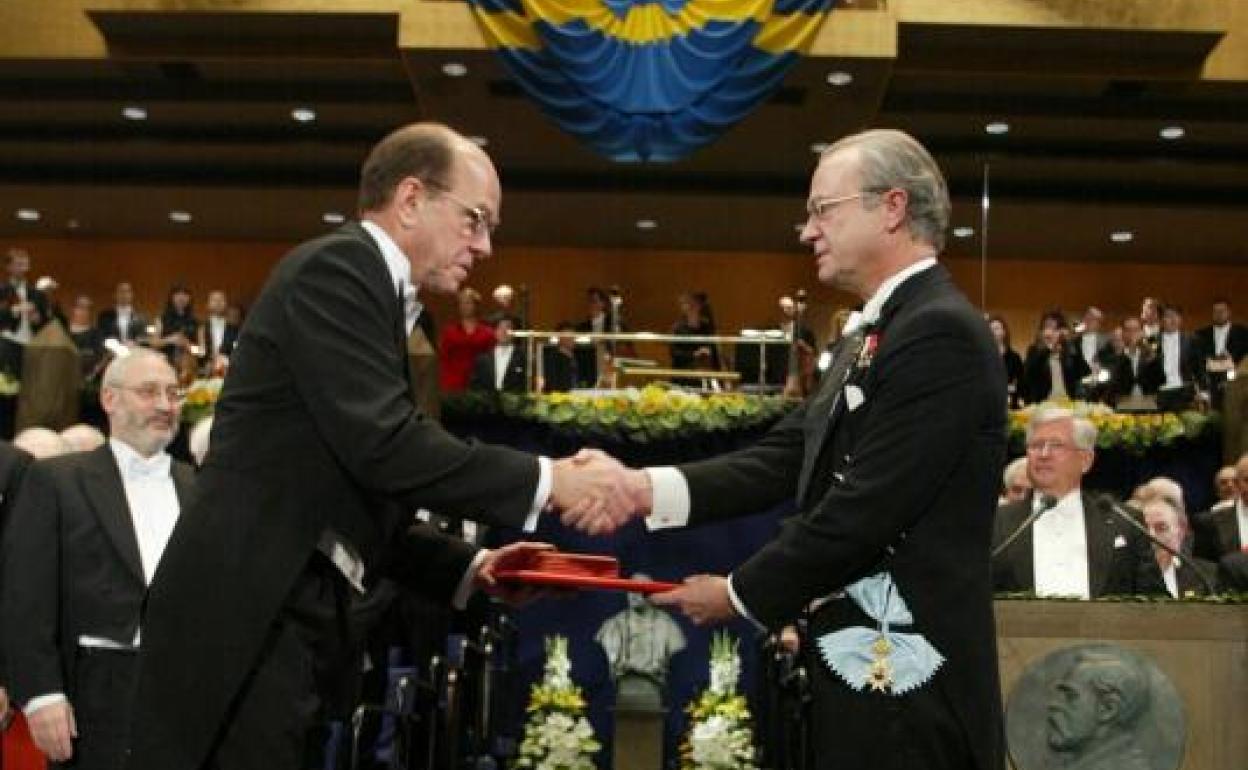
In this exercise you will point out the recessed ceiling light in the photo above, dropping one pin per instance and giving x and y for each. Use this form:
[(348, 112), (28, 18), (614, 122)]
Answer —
[(839, 78), (646, 224), (333, 218), (181, 217), (303, 114), (134, 112), (997, 127), (963, 232), (1172, 132), (818, 148), (28, 215), (1122, 236), (454, 69), (479, 141)]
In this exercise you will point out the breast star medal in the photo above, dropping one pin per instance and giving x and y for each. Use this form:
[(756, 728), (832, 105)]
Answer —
[(880, 675)]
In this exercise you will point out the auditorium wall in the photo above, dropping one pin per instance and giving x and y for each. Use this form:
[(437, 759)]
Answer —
[(743, 287)]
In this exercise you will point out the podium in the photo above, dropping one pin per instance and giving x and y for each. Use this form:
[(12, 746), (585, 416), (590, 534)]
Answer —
[(1201, 647)]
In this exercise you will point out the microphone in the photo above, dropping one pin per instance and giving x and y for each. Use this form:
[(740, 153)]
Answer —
[(1047, 503), (1112, 504)]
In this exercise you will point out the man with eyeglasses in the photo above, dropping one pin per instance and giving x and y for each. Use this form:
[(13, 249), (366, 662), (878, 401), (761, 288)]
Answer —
[(84, 541), (319, 457), (893, 463), (1059, 540)]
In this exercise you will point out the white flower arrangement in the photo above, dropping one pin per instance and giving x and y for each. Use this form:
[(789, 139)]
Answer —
[(557, 736), (720, 736)]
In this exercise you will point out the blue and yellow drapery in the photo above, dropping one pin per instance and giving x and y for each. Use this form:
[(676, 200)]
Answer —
[(647, 80)]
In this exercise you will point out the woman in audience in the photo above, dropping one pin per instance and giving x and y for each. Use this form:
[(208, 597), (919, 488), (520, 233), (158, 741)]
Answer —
[(1010, 357), (696, 319), (175, 329), (462, 342), (1052, 370)]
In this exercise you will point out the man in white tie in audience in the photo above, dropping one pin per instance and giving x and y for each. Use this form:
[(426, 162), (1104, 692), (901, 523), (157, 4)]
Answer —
[(1183, 574), (85, 536), (1061, 541)]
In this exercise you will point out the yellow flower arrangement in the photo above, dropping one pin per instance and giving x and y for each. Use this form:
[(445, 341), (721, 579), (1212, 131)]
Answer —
[(201, 399), (638, 416), (1132, 432)]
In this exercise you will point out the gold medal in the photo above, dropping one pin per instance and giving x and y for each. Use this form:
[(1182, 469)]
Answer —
[(880, 676)]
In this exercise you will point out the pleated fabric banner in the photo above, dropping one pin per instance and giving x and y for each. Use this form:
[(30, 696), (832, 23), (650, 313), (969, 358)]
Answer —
[(649, 81)]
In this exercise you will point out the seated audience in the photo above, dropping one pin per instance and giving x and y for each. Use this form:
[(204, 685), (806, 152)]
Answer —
[(1015, 484), (82, 437), (1225, 530), (1150, 318), (1052, 370), (696, 319), (1221, 345), (1175, 372), (1184, 575), (122, 322), (559, 361), (23, 310), (1060, 540), (1224, 486), (177, 329), (1010, 358), (504, 369), (1127, 368), (87, 338), (217, 335), (462, 342)]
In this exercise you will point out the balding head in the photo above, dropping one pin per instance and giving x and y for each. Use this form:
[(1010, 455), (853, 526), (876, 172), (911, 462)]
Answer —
[(83, 437)]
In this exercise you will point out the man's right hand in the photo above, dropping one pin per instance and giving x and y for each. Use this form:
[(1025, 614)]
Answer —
[(53, 729)]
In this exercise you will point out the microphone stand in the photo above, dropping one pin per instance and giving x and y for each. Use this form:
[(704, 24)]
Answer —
[(1046, 504), (1126, 516)]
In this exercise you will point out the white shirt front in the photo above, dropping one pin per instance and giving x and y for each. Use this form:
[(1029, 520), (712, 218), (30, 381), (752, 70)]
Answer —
[(1170, 355), (124, 314), (502, 359), (1220, 333), (1060, 548), (1171, 575), (153, 501), (1241, 516), (400, 271), (1088, 341), (22, 333), (216, 332)]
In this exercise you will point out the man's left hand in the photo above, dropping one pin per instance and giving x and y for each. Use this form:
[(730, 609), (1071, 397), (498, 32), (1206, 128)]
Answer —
[(702, 598), (509, 557)]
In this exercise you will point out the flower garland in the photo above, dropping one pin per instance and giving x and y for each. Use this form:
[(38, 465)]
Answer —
[(557, 736), (637, 416), (1132, 432), (720, 736)]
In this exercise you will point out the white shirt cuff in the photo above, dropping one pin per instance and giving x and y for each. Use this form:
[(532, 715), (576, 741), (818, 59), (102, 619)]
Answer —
[(39, 701), (739, 606), (669, 501), (463, 592), (545, 480)]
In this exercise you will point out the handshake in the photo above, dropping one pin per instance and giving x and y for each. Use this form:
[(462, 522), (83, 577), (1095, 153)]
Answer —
[(597, 494)]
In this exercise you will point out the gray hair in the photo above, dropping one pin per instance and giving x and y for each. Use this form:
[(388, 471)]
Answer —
[(1164, 488), (1017, 467), (41, 442), (1084, 431), (115, 374), (891, 159), (83, 437)]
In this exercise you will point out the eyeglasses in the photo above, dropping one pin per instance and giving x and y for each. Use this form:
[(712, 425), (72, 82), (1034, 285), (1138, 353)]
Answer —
[(479, 222), (1048, 446), (150, 391), (818, 208)]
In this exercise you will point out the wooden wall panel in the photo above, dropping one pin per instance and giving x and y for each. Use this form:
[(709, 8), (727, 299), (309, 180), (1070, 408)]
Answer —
[(743, 286)]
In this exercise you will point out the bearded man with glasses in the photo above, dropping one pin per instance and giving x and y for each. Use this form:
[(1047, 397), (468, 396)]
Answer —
[(85, 538)]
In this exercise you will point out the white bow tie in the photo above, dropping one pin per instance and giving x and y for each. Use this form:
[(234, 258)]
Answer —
[(148, 468)]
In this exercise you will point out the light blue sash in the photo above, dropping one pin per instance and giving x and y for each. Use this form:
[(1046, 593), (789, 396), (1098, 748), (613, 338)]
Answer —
[(848, 652)]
